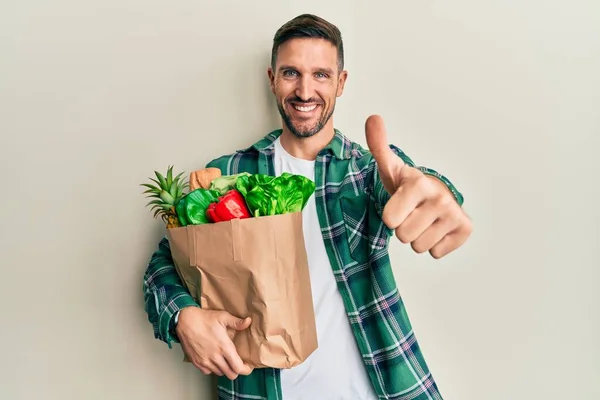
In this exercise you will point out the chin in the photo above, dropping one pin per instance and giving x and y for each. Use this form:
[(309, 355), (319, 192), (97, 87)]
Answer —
[(303, 135), (303, 131)]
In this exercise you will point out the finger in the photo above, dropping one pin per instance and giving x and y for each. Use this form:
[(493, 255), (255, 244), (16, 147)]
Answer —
[(222, 364), (204, 370), (235, 362), (243, 324), (377, 141), (433, 235), (212, 368), (417, 222), (229, 321), (402, 203), (239, 326), (450, 242)]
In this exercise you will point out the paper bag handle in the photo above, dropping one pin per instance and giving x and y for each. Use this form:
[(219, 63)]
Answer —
[(191, 237), (236, 237), (236, 244)]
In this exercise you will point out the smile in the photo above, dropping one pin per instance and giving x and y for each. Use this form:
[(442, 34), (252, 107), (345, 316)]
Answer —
[(305, 108)]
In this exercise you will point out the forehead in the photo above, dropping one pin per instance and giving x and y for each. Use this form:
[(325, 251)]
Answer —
[(307, 53)]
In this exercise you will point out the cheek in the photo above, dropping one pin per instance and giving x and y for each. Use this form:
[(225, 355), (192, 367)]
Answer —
[(329, 92), (329, 98), (282, 92)]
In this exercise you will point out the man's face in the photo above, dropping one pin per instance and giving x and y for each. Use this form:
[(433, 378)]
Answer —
[(306, 83)]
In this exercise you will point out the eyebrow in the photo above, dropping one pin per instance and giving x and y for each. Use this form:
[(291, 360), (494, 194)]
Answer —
[(328, 71)]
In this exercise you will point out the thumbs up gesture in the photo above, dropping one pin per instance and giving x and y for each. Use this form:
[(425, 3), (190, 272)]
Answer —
[(421, 210)]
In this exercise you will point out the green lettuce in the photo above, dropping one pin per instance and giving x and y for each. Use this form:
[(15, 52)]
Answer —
[(269, 195), (191, 209), (224, 184)]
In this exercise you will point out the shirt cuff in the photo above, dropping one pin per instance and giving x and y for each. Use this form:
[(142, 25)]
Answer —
[(167, 317), (457, 195)]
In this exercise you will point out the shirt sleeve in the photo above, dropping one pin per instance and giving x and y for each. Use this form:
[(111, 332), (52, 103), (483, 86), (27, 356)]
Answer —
[(382, 196), (164, 293)]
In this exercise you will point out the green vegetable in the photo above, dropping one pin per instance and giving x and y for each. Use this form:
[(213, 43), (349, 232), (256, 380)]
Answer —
[(225, 183), (269, 195), (180, 211), (191, 209)]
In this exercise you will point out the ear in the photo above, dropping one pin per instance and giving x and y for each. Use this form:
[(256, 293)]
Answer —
[(341, 82), (271, 76)]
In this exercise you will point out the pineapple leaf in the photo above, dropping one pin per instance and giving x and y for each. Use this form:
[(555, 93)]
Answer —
[(166, 197), (149, 186), (169, 176), (155, 191), (158, 186), (161, 179), (157, 209), (173, 191), (155, 202), (178, 177), (164, 191)]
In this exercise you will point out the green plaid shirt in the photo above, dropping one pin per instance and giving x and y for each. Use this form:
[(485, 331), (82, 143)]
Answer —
[(350, 200)]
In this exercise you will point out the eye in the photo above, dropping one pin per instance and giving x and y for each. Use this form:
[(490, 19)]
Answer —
[(321, 75), (289, 73)]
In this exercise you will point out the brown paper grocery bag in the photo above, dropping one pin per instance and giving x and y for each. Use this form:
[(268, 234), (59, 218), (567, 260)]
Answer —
[(253, 267)]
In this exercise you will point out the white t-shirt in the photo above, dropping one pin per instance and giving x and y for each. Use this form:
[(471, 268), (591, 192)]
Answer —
[(335, 371)]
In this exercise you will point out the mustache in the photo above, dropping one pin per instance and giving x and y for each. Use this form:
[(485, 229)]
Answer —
[(309, 101)]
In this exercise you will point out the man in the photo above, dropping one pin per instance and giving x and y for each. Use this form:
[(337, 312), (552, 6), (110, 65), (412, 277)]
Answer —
[(367, 349)]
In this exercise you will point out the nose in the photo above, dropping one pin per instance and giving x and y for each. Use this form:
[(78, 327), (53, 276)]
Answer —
[(304, 90)]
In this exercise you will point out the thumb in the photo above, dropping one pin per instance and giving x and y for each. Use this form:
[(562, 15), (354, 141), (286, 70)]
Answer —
[(377, 141), (236, 323)]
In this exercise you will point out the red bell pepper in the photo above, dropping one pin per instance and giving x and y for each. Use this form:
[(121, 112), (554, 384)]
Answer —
[(229, 206)]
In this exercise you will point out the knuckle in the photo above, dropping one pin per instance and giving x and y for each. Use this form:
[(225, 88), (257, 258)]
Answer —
[(424, 185), (468, 227), (460, 222), (444, 202)]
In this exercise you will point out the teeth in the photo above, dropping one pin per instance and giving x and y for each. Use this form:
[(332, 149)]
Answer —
[(305, 109)]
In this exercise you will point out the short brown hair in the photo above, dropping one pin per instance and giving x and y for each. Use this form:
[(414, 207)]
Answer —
[(308, 26)]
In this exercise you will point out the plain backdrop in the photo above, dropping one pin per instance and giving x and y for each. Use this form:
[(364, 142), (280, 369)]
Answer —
[(503, 97)]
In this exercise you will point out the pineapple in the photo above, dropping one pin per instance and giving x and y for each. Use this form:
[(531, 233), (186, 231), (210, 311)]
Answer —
[(165, 194)]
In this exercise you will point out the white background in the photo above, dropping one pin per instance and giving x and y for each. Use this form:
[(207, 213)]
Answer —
[(503, 97)]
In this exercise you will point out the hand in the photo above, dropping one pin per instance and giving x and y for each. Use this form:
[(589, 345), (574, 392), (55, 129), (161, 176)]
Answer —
[(421, 209), (207, 342)]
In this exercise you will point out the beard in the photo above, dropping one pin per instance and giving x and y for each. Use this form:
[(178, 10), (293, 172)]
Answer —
[(304, 131)]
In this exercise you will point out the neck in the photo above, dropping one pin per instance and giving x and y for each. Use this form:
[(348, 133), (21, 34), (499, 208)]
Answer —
[(307, 148)]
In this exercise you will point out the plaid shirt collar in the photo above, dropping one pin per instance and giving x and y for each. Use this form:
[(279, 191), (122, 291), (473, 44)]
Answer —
[(340, 146)]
